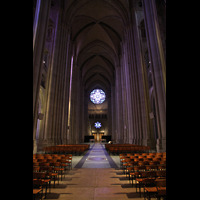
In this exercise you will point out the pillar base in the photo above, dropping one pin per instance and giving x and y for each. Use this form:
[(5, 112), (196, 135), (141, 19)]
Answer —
[(34, 146), (161, 145), (150, 142)]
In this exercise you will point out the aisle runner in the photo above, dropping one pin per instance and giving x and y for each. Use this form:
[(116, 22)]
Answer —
[(96, 157)]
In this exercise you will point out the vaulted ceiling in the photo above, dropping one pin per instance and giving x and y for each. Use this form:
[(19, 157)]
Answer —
[(97, 28)]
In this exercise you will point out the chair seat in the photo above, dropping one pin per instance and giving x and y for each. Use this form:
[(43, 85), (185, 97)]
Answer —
[(161, 188), (139, 179), (135, 173), (46, 180), (58, 169), (62, 165), (151, 189), (52, 174), (36, 191)]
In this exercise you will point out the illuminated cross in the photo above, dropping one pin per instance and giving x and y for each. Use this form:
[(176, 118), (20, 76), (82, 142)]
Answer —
[(97, 125)]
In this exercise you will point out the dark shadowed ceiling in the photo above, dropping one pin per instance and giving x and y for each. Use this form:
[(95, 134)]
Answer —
[(97, 28)]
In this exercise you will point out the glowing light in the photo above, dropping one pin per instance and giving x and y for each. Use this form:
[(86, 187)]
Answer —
[(97, 96), (97, 125)]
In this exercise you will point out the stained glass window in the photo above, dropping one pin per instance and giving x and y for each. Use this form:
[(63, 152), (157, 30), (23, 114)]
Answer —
[(97, 96), (97, 125)]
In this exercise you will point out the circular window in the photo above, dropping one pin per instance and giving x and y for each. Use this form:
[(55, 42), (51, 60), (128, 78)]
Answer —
[(97, 96)]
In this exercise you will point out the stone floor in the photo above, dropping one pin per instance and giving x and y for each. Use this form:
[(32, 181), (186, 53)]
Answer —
[(94, 176)]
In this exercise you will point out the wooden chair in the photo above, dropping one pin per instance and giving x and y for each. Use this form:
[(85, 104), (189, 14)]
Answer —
[(130, 170), (51, 160), (154, 191), (154, 163), (130, 154), (159, 154), (122, 155), (57, 168), (147, 179), (156, 159), (50, 172), (142, 156), (63, 164), (152, 154), (37, 188), (128, 149), (151, 167), (147, 159), (36, 163), (138, 154), (163, 162), (161, 193), (121, 159), (143, 162), (69, 160), (36, 168), (134, 157), (137, 172), (132, 149), (41, 156), (116, 150), (120, 149), (42, 176), (161, 188), (161, 167), (42, 160), (161, 174), (124, 160), (47, 156), (44, 164), (82, 150), (74, 150), (124, 149), (36, 192), (138, 159)]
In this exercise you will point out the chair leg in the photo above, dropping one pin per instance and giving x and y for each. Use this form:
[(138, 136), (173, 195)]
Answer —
[(50, 186)]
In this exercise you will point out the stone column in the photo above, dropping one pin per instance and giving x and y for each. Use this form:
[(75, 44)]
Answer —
[(132, 83), (148, 139), (120, 133), (39, 37), (130, 121), (158, 67), (75, 106), (113, 110), (58, 83), (66, 91)]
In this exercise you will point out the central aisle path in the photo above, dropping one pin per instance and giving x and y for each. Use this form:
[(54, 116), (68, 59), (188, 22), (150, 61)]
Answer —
[(94, 184), (86, 181), (96, 157)]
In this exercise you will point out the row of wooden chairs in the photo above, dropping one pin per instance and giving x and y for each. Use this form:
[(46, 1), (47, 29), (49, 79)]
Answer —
[(153, 158), (47, 158), (148, 178), (157, 191), (144, 154), (51, 155), (118, 150), (67, 149), (147, 169), (151, 177), (47, 168)]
